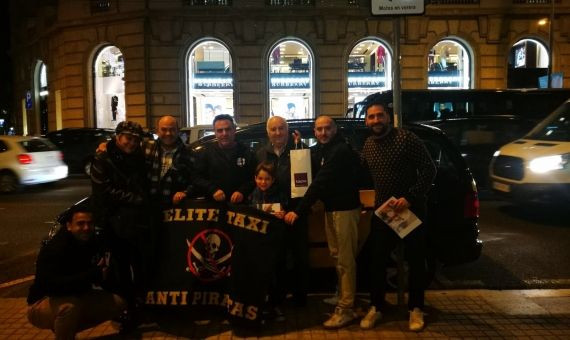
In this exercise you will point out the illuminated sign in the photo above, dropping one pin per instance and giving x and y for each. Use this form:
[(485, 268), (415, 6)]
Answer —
[(290, 80), (366, 79), (213, 81)]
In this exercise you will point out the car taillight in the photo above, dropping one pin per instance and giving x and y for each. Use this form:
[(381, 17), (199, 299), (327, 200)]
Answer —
[(25, 159), (471, 208), (61, 156)]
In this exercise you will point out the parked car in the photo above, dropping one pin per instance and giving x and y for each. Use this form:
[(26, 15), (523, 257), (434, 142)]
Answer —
[(192, 134), (28, 161), (78, 145), (453, 201), (537, 166), (478, 137)]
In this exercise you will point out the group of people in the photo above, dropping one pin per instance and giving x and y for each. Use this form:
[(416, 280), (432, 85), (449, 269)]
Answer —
[(133, 180)]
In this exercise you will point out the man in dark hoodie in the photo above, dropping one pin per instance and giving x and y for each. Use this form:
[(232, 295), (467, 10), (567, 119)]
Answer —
[(68, 265), (119, 197), (335, 184)]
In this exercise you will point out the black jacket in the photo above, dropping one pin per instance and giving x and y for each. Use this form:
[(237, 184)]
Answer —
[(336, 169), (282, 165), (65, 267), (230, 170), (119, 190)]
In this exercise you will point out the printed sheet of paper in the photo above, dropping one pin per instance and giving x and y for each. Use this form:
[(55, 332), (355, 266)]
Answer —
[(402, 223)]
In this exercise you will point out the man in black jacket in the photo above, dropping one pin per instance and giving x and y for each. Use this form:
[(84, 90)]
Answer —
[(119, 197), (225, 170), (277, 152), (335, 184), (68, 265)]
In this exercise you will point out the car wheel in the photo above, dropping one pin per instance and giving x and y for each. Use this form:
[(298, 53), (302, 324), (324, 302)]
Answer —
[(87, 167), (8, 182)]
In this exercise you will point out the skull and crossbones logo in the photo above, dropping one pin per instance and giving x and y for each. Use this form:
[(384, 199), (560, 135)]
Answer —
[(208, 255)]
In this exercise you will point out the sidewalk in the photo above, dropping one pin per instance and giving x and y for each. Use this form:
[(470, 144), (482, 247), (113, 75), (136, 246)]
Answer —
[(521, 314)]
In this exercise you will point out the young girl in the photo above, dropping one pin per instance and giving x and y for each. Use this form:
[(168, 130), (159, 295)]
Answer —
[(266, 196)]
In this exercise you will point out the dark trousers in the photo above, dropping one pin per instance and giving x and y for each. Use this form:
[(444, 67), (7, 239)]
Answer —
[(292, 270), (383, 240)]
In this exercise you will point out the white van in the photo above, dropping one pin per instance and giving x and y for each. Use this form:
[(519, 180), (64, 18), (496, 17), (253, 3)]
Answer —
[(537, 166)]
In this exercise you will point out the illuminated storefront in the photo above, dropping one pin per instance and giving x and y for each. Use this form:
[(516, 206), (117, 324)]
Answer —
[(528, 61), (42, 92), (369, 70), (449, 66), (210, 82), (290, 80), (109, 71)]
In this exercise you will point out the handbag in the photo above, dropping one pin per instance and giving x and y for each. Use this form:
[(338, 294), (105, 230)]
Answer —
[(300, 171)]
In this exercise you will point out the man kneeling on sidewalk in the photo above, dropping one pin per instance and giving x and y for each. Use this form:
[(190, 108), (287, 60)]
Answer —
[(62, 297)]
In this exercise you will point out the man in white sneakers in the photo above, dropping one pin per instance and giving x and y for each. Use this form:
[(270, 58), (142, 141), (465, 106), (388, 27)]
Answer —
[(400, 166)]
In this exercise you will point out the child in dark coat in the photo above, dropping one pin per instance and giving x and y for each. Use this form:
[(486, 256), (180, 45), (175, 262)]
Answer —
[(266, 196)]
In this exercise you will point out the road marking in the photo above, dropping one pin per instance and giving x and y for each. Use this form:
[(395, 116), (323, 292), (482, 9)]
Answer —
[(17, 281)]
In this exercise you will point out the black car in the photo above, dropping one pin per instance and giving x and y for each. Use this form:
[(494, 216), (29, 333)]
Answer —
[(453, 200), (78, 145), (478, 137)]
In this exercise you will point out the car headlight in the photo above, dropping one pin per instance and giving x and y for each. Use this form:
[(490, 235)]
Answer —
[(545, 164)]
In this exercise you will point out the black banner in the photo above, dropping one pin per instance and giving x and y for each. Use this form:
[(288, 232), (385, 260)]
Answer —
[(215, 257)]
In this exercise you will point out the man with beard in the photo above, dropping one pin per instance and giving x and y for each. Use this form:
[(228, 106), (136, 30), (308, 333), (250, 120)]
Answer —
[(62, 297), (225, 170), (277, 152), (335, 184), (400, 166), (119, 201)]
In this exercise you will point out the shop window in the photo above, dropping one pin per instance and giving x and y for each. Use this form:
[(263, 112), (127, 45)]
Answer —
[(369, 70), (210, 82), (109, 87), (291, 80), (42, 91), (528, 65), (449, 66)]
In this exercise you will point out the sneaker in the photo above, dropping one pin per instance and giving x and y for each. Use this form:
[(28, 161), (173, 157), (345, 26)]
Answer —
[(416, 320), (340, 318), (370, 319)]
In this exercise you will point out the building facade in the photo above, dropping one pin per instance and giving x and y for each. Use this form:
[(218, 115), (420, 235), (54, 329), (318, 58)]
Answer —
[(94, 63)]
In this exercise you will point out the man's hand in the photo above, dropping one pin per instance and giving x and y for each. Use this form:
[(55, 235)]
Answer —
[(178, 197), (101, 147), (291, 217), (296, 135), (237, 197), (400, 204), (219, 196), (279, 214)]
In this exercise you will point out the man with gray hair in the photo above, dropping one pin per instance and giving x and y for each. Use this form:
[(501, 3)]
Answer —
[(277, 152)]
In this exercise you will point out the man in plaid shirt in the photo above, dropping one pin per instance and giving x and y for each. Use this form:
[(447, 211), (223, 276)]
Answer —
[(168, 164)]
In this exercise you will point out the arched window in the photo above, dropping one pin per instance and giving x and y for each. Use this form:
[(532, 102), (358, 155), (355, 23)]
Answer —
[(449, 66), (369, 70), (528, 65), (210, 82), (109, 87), (291, 80), (42, 96)]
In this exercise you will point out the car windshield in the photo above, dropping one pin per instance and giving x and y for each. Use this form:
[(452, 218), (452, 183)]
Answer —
[(37, 145), (554, 128)]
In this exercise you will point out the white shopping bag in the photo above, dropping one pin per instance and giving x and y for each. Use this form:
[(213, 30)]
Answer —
[(300, 172)]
